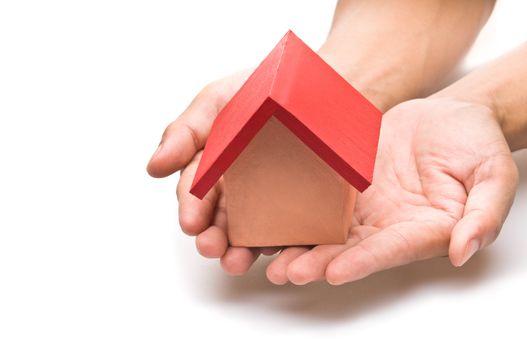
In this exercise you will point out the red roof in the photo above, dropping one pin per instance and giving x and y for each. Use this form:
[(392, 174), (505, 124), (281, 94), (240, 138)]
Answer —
[(302, 91)]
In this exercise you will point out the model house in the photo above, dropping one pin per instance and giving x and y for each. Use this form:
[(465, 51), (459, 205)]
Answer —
[(294, 145)]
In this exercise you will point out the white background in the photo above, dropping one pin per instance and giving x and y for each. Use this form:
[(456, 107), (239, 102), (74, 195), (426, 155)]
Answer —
[(91, 256)]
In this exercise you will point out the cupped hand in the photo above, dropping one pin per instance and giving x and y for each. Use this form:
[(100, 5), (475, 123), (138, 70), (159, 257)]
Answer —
[(180, 149), (443, 185)]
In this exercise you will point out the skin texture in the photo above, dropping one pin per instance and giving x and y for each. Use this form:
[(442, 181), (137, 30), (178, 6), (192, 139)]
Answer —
[(352, 50), (396, 50), (439, 189), (499, 85)]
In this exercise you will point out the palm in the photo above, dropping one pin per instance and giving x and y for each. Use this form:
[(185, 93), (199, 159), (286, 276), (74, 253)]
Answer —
[(432, 154), (425, 167), (409, 191)]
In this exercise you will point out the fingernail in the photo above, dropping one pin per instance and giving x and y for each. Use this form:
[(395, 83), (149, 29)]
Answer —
[(472, 248)]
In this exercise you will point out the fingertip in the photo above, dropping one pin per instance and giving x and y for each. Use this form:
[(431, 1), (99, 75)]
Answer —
[(298, 273), (335, 274), (455, 253), (349, 267), (212, 243), (152, 167), (307, 267), (157, 173), (277, 270), (455, 260), (461, 257), (150, 170), (237, 260), (455, 248), (174, 152), (276, 276), (471, 233), (191, 222)]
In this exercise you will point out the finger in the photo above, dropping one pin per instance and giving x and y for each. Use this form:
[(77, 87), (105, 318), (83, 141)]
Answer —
[(195, 214), (212, 243), (488, 203), (238, 260), (188, 133), (277, 270), (311, 266), (396, 245)]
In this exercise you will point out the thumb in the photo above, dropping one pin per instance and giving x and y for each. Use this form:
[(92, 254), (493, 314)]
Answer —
[(185, 136), (488, 203)]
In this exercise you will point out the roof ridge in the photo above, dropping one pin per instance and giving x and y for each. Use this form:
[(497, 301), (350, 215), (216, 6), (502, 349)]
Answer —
[(298, 94), (284, 41)]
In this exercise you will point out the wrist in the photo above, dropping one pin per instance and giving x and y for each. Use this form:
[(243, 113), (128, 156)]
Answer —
[(382, 84), (489, 95), (474, 94)]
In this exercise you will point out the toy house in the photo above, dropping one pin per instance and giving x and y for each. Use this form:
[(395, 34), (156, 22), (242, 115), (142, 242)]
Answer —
[(293, 145)]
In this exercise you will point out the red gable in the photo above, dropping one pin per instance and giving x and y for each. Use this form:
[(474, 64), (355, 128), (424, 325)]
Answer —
[(312, 100)]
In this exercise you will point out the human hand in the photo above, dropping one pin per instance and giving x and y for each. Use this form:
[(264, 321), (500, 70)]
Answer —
[(352, 50), (180, 150), (444, 182)]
